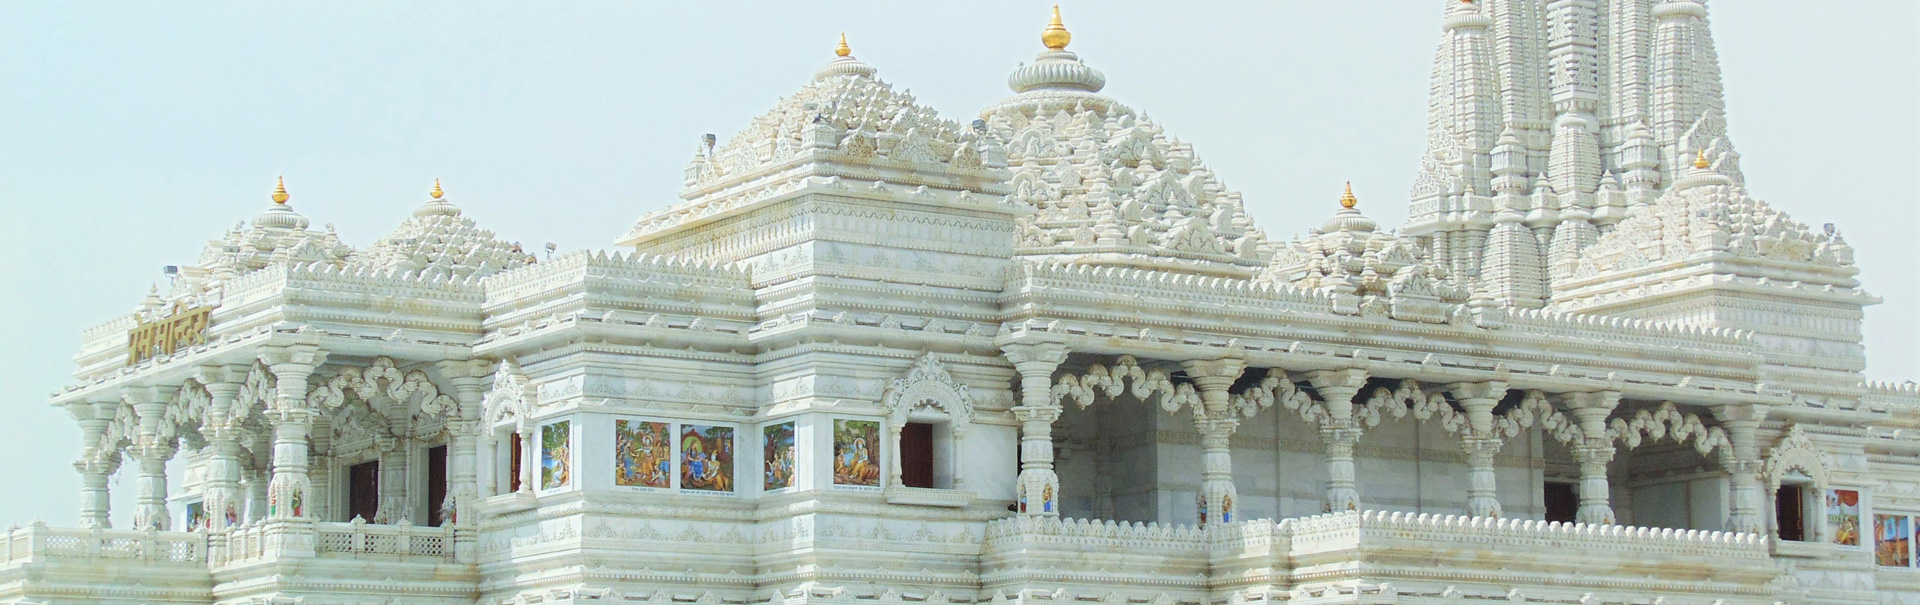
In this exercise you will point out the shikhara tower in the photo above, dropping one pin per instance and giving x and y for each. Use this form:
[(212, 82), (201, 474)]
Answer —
[(878, 356), (1578, 159)]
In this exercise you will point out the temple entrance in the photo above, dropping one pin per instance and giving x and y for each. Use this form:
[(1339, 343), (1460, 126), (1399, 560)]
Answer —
[(363, 490)]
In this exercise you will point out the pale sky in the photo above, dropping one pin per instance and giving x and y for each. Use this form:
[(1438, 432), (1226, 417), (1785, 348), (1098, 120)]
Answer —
[(131, 133)]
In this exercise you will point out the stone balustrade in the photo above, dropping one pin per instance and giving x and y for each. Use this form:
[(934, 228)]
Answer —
[(39, 542), (1339, 552), (359, 539)]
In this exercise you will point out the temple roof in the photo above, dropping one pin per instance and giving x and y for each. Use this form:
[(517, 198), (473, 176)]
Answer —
[(438, 242), (278, 236), (1109, 186), (1706, 212), (861, 114), (1348, 254)]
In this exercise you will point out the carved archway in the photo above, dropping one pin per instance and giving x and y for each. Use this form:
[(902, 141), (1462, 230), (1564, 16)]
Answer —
[(928, 392)]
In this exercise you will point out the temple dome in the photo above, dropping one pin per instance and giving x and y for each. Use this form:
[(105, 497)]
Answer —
[(1706, 212), (439, 242), (1350, 255), (278, 236), (1108, 186), (845, 108)]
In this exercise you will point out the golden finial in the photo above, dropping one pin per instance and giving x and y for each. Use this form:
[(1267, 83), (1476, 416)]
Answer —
[(280, 191), (1056, 36), (1701, 162), (843, 50), (437, 193), (1346, 199)]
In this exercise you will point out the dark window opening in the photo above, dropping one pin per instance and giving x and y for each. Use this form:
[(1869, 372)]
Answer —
[(363, 490), (1562, 502), (515, 451), (1790, 514), (916, 455), (436, 485)]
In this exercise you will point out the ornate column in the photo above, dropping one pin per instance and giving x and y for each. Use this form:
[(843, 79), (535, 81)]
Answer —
[(1216, 422), (289, 489), (463, 430), (1480, 443), (1340, 433), (94, 466), (1594, 452), (223, 503), (1743, 465), (529, 451), (1039, 488), (153, 446)]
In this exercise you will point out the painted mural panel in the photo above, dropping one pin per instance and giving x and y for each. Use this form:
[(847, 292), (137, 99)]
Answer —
[(643, 454), (196, 517), (856, 452), (706, 458), (1843, 516), (1892, 541), (778, 442), (556, 455)]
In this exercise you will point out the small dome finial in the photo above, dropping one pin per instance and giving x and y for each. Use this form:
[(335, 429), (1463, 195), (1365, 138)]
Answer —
[(842, 50), (1056, 36), (1701, 161), (280, 191), (1346, 199), (437, 193)]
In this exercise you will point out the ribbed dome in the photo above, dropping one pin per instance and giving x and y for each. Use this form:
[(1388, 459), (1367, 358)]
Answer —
[(280, 216), (1057, 70), (844, 66)]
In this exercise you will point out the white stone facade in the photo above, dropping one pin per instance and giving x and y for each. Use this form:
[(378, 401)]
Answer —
[(879, 357)]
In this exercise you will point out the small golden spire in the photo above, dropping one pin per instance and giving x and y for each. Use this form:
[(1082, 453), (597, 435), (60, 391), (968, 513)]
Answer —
[(1701, 162), (437, 193), (843, 50), (1346, 199), (280, 191), (1056, 35)]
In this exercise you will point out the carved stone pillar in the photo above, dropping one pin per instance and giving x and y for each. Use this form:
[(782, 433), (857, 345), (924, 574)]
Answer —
[(1216, 422), (1593, 453), (254, 483), (223, 502), (1340, 434), (395, 458), (94, 466), (463, 429), (1481, 443), (1038, 491), (529, 460), (153, 446), (290, 488), (1743, 466)]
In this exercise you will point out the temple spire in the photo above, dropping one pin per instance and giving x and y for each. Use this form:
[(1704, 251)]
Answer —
[(1056, 36), (280, 191)]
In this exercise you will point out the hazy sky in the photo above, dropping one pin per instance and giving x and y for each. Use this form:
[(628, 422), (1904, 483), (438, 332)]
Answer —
[(130, 133)]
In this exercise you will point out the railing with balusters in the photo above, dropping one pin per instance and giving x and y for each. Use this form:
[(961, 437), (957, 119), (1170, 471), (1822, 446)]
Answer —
[(359, 539), (38, 541)]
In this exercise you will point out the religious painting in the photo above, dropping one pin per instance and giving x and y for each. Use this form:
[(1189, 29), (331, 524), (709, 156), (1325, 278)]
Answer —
[(643, 454), (778, 457), (856, 452), (556, 455), (1203, 508), (706, 458), (1843, 516), (1892, 541), (196, 516)]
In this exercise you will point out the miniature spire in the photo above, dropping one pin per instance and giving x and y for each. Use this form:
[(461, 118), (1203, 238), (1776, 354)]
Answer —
[(437, 193), (280, 191), (437, 205), (1346, 199), (842, 50), (1701, 161), (843, 63), (1056, 35)]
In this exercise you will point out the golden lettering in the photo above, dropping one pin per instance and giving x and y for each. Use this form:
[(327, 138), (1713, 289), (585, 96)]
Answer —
[(185, 328)]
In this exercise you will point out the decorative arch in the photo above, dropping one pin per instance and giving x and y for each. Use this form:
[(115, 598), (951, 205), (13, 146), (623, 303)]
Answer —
[(1794, 452), (1668, 421), (928, 390), (512, 397), (928, 386)]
